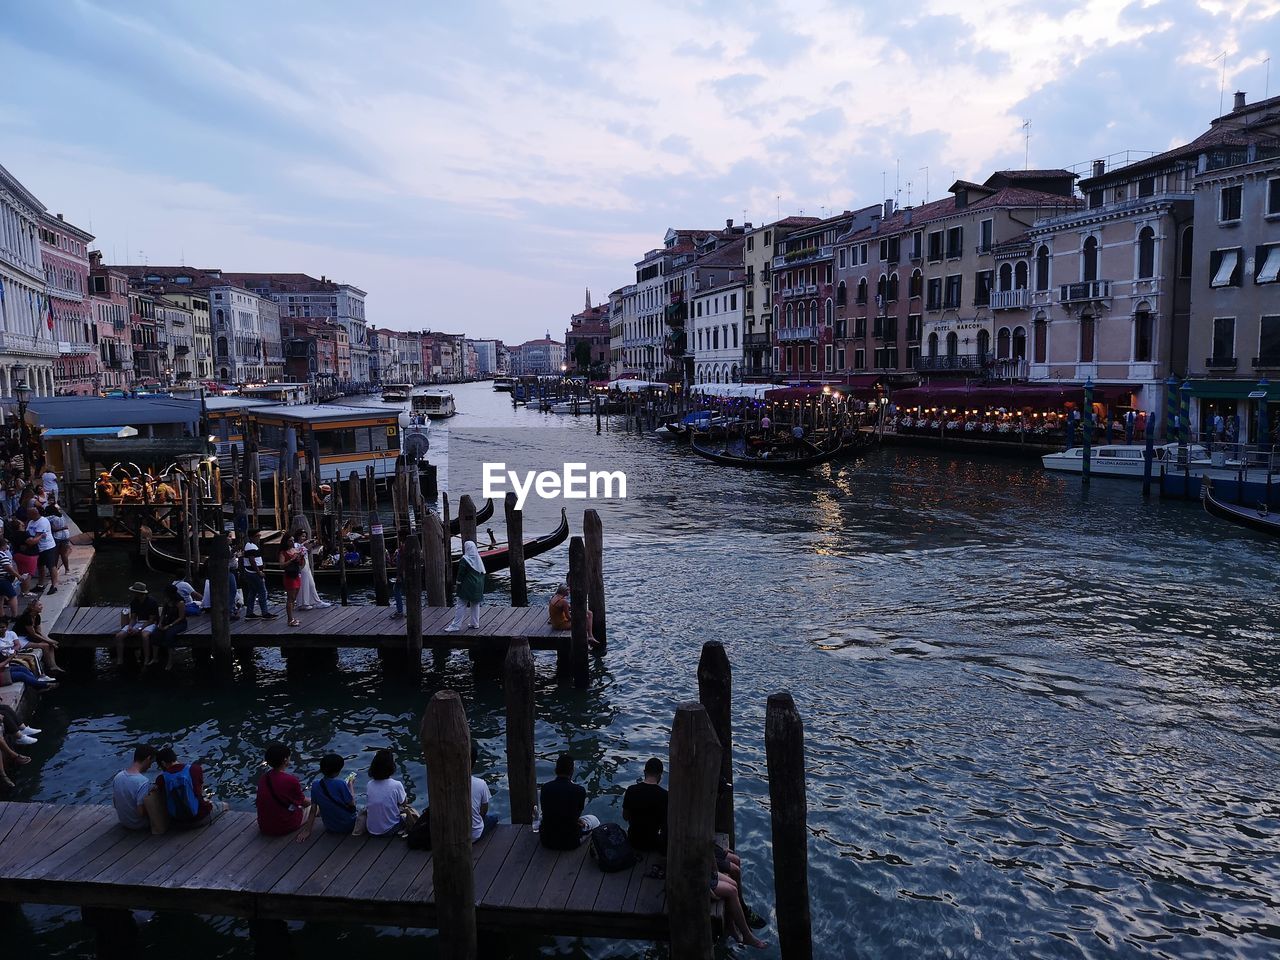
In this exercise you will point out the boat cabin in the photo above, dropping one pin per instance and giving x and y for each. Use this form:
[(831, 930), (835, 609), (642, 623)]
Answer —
[(434, 403), (342, 438), (290, 393), (396, 392)]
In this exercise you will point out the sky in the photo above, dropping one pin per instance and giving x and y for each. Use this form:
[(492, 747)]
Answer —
[(474, 166)]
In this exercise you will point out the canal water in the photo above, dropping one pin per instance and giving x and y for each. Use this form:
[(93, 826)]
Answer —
[(1040, 720)]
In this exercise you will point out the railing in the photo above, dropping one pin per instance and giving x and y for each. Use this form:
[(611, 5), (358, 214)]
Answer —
[(1085, 290), (811, 289), (756, 340), (784, 292), (959, 362), (1270, 360), (1221, 363), (805, 332), (1009, 299)]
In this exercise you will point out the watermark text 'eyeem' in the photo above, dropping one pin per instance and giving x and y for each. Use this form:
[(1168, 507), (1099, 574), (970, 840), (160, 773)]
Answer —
[(574, 482)]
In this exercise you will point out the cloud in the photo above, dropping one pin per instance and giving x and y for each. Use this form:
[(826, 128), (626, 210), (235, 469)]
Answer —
[(777, 46)]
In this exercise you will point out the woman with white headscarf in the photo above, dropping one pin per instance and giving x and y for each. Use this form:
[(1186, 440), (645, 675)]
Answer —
[(469, 587)]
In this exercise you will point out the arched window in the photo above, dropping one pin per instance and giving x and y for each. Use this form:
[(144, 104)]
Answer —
[(893, 286), (1142, 343), (1041, 339), (1086, 337), (933, 345), (813, 313), (916, 285), (222, 347), (1006, 277), (862, 289), (984, 344), (1020, 275), (1089, 260), (1146, 253), (733, 373), (953, 345), (831, 314), (1185, 254), (882, 288), (1042, 268), (1002, 344), (788, 323), (842, 295), (1019, 343)]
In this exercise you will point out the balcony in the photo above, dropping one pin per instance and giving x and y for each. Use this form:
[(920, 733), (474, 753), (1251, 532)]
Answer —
[(1271, 360), (1221, 363), (756, 341), (784, 292), (884, 329), (959, 362), (800, 257), (1085, 290), (1009, 299), (759, 372), (791, 334)]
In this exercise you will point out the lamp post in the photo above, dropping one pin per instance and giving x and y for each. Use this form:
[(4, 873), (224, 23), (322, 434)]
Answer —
[(22, 393)]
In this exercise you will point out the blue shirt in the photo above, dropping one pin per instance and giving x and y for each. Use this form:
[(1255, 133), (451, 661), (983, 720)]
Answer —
[(333, 799)]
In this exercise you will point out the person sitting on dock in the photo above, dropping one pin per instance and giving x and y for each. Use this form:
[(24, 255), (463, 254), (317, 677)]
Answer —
[(129, 789), (140, 620), (182, 786), (482, 821), (252, 581), (386, 802), (279, 800), (29, 629), (17, 667), (11, 580), (333, 799), (13, 733), (560, 613), (469, 588), (173, 621), (563, 825), (644, 807)]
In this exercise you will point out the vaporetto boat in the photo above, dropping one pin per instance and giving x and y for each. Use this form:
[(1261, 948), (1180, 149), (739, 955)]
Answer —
[(1126, 459)]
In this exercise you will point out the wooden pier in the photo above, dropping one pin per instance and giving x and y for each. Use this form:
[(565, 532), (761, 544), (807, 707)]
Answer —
[(336, 626), (80, 856)]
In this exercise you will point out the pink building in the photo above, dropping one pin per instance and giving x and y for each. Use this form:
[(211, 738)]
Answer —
[(64, 252), (109, 307)]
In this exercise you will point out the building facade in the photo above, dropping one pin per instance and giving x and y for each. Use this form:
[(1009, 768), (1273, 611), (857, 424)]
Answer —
[(64, 252), (109, 304), (539, 358), (175, 328), (586, 342), (757, 315), (28, 350), (715, 330), (196, 302)]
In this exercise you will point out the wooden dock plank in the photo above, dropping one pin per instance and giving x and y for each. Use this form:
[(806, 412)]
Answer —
[(343, 882), (332, 866), (586, 887), (404, 874), (497, 846), (387, 862), (81, 831), (541, 863), (504, 885), (613, 891), (563, 876)]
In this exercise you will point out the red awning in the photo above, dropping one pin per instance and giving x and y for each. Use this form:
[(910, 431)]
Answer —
[(1043, 396)]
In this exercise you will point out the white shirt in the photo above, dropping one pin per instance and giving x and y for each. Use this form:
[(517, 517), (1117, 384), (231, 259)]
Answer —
[(39, 527), (383, 799), (479, 796), (49, 482)]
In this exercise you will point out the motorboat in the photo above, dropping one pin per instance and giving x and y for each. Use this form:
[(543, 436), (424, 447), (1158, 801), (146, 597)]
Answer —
[(396, 392), (1127, 459), (503, 384), (434, 403)]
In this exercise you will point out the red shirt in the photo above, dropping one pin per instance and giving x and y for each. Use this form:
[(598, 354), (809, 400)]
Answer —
[(279, 803), (197, 783)]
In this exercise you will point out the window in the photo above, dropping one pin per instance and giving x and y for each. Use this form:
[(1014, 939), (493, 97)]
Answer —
[(915, 286), (826, 356), (935, 246), (955, 286), (860, 328), (842, 295), (1020, 275), (1096, 199), (933, 345), (831, 313), (768, 237), (751, 243), (934, 300), (733, 301), (1002, 343), (1268, 261), (953, 345), (894, 249), (1042, 268), (1147, 187), (1019, 343), (859, 359), (1224, 338), (1089, 259), (1224, 267), (1142, 336), (884, 250), (982, 288), (1006, 277), (882, 289), (984, 344), (862, 290), (1273, 197), (987, 236), (1269, 342), (887, 358), (1185, 252), (893, 287), (917, 241), (813, 357), (1229, 202), (843, 254), (1146, 253), (1041, 340), (1086, 338), (955, 243), (913, 328), (840, 359)]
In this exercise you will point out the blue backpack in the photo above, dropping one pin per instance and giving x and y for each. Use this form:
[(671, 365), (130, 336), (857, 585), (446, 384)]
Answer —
[(180, 794)]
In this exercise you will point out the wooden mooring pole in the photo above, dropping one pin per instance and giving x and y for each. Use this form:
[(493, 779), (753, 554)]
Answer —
[(784, 753), (446, 747), (378, 552), (218, 572), (579, 662), (515, 552), (518, 688), (715, 692), (695, 768), (466, 518), (435, 561), (593, 535), (412, 548)]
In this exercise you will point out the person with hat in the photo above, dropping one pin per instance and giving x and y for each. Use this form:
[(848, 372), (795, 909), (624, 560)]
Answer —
[(253, 581), (139, 620), (327, 510)]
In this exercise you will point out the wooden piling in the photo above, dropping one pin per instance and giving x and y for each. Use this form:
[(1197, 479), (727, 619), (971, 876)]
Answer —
[(593, 535), (378, 554), (353, 494), (466, 518), (579, 663), (784, 753), (341, 545), (518, 689), (413, 598), (715, 692), (446, 747), (449, 572), (435, 561), (218, 571), (515, 552), (115, 933), (695, 767)]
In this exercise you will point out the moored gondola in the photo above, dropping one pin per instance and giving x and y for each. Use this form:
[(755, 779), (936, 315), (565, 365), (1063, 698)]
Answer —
[(758, 456), (1258, 518)]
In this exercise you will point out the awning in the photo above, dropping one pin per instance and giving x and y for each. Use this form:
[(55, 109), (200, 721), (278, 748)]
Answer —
[(67, 433), (1231, 389), (1270, 269), (147, 449), (1226, 268), (1044, 396)]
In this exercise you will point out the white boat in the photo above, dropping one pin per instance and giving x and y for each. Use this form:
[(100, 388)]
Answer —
[(1126, 459), (434, 403), (580, 405), (503, 384), (396, 392)]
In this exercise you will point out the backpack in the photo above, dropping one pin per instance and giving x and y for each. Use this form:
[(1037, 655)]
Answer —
[(610, 848), (180, 794), (420, 832)]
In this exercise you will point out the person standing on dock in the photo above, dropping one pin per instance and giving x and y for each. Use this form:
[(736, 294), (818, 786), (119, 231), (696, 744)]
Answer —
[(327, 512), (470, 588), (292, 556), (40, 531), (397, 564), (252, 580)]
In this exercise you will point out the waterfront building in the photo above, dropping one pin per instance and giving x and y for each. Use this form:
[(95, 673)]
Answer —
[(175, 331), (757, 315), (715, 334), (64, 253), (144, 338), (504, 359), (804, 295), (486, 357), (616, 331), (654, 310), (586, 342), (237, 333), (539, 358), (1234, 335), (272, 345), (28, 350), (409, 356), (196, 302), (382, 356), (109, 303)]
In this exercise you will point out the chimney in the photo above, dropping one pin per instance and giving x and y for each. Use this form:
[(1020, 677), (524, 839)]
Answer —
[(888, 209), (906, 215), (1099, 167), (875, 223), (747, 225), (1238, 95), (728, 224), (1239, 101)]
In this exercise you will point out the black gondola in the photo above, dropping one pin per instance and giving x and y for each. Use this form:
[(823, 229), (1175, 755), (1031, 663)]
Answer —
[(1258, 518), (495, 558), (805, 455)]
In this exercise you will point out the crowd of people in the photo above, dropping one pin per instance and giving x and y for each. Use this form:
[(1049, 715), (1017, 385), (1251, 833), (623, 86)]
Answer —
[(177, 797)]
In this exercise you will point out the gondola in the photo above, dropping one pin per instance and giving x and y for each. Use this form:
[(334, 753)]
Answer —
[(734, 455), (1258, 518), (495, 558)]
